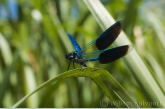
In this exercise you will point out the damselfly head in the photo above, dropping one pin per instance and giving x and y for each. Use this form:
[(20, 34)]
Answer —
[(71, 56)]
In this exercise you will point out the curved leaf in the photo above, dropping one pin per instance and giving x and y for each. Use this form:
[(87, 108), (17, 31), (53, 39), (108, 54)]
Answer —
[(133, 61), (101, 77)]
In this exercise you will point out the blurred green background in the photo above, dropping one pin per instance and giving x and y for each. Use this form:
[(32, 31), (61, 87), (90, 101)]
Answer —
[(34, 42)]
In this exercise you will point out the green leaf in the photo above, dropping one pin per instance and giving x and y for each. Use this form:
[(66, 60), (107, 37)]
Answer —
[(102, 78), (133, 61)]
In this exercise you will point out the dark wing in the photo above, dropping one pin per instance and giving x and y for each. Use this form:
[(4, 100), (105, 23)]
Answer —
[(113, 54), (104, 40), (108, 55), (109, 36)]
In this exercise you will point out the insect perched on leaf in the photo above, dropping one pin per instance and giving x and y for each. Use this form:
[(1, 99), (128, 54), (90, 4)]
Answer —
[(102, 53)]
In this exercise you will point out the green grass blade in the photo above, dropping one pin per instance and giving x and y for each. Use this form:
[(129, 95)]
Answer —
[(157, 26), (101, 77), (159, 75), (132, 60), (5, 49)]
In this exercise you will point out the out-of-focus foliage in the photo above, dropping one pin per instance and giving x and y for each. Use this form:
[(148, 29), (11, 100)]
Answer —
[(34, 41)]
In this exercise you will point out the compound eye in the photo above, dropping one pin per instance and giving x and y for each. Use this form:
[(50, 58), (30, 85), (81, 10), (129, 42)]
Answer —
[(67, 55), (74, 54), (70, 56)]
